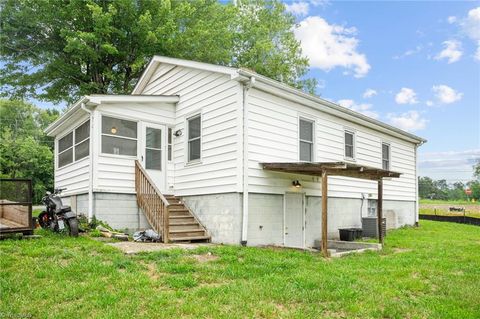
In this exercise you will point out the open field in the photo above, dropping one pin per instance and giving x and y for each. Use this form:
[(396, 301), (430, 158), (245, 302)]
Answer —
[(427, 272), (438, 207)]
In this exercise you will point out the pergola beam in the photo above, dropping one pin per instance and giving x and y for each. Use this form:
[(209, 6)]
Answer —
[(324, 246), (380, 211)]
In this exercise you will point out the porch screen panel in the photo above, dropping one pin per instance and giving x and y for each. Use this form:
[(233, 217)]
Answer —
[(119, 136), (82, 141), (65, 150)]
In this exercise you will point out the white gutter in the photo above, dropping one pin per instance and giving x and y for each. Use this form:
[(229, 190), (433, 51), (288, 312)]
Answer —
[(246, 88), (90, 167)]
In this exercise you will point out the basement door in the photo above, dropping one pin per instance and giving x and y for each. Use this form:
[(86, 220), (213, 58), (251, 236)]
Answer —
[(294, 220), (153, 156)]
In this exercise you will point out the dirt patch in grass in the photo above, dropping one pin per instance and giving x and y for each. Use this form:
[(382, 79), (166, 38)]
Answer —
[(401, 250), (204, 258)]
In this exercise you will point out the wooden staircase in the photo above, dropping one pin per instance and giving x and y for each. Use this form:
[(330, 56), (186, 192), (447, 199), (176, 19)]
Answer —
[(167, 215), (183, 226)]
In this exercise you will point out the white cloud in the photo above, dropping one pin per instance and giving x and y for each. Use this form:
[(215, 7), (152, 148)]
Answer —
[(429, 103), (445, 94), (406, 96), (297, 8), (410, 52), (450, 165), (365, 109), (477, 53), (470, 26), (452, 19), (328, 46), (452, 51), (369, 93), (408, 121)]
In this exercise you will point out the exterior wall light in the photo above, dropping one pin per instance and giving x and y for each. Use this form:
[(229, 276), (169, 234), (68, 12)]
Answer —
[(296, 183), (113, 130), (178, 133)]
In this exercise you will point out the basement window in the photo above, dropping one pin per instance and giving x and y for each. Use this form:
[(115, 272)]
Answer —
[(349, 145), (386, 156), (194, 137), (306, 140), (119, 137)]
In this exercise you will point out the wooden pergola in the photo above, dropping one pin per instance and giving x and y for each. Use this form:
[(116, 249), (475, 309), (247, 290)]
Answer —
[(337, 169)]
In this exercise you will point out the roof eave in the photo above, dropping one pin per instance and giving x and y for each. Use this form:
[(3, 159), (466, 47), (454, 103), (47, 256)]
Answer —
[(350, 114)]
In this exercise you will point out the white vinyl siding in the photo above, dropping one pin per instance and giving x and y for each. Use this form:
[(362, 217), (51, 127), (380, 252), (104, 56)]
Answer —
[(113, 173), (306, 134), (219, 99), (273, 127), (386, 156)]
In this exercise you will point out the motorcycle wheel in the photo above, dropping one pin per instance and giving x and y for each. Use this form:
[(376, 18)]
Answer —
[(73, 227), (43, 220)]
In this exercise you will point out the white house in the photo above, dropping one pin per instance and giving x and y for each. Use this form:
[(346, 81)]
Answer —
[(203, 133)]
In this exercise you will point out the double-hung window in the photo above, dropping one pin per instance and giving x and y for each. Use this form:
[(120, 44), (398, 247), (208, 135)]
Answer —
[(194, 137), (74, 146), (385, 156), (82, 141), (306, 140), (65, 150), (349, 145), (119, 136)]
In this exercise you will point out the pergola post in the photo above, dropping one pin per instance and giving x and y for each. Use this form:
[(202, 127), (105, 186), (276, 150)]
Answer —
[(324, 247), (380, 211)]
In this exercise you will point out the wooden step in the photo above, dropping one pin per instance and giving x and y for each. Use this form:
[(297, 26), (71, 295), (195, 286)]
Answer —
[(190, 238), (174, 219), (185, 226), (173, 234)]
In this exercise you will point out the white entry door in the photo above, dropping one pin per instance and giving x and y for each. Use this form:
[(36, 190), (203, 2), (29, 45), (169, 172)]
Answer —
[(154, 153), (294, 220)]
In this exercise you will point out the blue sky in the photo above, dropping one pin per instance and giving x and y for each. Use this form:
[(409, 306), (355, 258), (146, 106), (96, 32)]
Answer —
[(415, 65)]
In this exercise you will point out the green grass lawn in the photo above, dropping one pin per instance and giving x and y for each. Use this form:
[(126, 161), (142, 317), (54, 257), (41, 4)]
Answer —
[(428, 272)]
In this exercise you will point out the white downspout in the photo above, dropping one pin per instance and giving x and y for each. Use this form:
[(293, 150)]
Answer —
[(90, 167), (246, 88)]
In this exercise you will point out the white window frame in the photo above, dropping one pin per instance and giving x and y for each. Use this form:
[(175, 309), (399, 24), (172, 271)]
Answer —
[(312, 142), (389, 155), (57, 146), (354, 141), (113, 135), (187, 140)]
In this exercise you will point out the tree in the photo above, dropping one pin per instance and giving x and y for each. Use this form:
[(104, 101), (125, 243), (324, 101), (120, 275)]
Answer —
[(59, 50), (476, 170), (25, 150)]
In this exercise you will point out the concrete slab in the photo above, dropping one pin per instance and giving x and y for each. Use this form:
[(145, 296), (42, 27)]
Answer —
[(137, 247)]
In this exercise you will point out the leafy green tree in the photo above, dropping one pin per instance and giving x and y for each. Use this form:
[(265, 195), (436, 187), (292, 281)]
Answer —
[(59, 50), (476, 170), (25, 150)]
